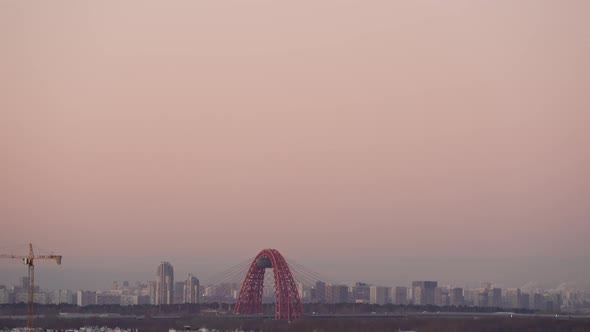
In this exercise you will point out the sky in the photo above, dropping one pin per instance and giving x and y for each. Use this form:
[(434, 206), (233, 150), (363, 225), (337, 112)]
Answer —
[(382, 141)]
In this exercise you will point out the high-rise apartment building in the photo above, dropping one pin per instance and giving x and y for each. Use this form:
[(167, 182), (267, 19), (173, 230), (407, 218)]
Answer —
[(482, 299), (179, 292), (151, 291), (191, 289), (489, 296), (304, 291), (495, 297), (107, 298), (379, 295), (319, 292), (538, 302), (24, 283), (336, 294), (61, 296), (456, 296), (513, 298), (165, 284), (399, 295), (361, 293), (423, 292), (84, 298), (441, 296), (525, 301), (6, 296)]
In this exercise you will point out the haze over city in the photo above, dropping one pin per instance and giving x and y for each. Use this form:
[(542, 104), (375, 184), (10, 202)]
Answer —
[(383, 142)]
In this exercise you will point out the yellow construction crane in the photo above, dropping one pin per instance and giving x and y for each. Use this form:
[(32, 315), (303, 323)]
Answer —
[(29, 260)]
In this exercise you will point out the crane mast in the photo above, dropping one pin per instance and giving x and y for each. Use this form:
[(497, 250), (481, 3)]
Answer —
[(29, 261)]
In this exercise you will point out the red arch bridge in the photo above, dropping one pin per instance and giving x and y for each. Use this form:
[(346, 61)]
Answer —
[(252, 288)]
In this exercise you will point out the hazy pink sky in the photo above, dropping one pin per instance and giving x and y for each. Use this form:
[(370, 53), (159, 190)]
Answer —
[(334, 131)]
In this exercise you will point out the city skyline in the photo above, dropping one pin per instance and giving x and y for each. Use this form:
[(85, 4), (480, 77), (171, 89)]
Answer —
[(421, 293)]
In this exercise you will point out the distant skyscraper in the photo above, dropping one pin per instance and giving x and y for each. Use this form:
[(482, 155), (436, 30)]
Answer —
[(6, 296), (538, 302), (85, 298), (329, 293), (379, 295), (191, 289), (495, 297), (304, 292), (423, 292), (400, 295), (361, 293), (151, 291), (320, 292), (456, 297), (61, 296), (165, 284), (492, 296), (514, 298), (482, 299), (179, 292), (336, 294), (103, 298), (441, 296), (24, 283), (525, 300)]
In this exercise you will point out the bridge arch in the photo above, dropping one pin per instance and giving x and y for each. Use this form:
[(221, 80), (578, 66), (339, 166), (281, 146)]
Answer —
[(288, 304)]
